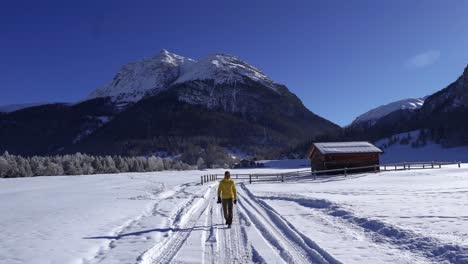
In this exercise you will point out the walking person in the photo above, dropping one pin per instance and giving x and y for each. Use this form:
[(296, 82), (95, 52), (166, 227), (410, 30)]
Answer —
[(227, 195)]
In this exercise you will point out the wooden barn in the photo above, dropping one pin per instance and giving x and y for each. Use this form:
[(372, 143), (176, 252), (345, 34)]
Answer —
[(339, 155)]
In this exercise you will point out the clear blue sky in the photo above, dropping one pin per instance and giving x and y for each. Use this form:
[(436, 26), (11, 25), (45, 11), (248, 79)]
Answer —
[(340, 57)]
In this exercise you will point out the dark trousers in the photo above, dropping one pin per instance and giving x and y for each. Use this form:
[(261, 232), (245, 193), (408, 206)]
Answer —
[(227, 209)]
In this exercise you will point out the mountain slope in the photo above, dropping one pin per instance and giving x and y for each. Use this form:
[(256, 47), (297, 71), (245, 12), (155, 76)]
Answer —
[(193, 113), (47, 129), (134, 80), (16, 107), (156, 74), (373, 115), (444, 116)]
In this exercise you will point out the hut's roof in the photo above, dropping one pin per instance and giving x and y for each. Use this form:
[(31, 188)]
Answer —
[(345, 147)]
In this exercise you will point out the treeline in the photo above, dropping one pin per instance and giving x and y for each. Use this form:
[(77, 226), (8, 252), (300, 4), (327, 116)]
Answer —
[(82, 164)]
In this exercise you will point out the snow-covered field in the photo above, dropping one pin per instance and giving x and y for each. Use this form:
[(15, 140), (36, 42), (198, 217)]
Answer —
[(430, 152), (416, 216)]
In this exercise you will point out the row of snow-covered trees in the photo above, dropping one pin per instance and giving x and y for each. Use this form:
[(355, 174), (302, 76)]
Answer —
[(82, 164)]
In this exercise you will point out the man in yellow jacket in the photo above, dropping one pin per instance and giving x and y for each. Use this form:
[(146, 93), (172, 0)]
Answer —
[(227, 194)]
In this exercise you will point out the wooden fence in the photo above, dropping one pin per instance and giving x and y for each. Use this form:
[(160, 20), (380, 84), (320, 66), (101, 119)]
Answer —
[(281, 177)]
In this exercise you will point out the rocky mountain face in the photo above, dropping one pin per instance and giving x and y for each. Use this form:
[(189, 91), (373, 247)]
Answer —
[(166, 103), (156, 74), (452, 98), (443, 116)]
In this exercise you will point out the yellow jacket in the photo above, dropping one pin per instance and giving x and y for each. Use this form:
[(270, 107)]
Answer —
[(227, 189)]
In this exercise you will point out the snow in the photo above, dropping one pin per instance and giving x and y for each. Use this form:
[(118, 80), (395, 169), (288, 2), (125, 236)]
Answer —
[(160, 72), (412, 216), (381, 111), (392, 217), (223, 69), (430, 152), (97, 218), (346, 147), (135, 80)]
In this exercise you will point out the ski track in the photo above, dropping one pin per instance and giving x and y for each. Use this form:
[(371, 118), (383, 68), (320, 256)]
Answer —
[(185, 221), (381, 232), (218, 244), (199, 218), (291, 245), (130, 235)]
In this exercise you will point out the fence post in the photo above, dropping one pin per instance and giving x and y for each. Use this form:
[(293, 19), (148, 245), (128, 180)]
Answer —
[(423, 165), (432, 164), (395, 168), (375, 168), (345, 172), (314, 174), (440, 165), (385, 167), (282, 177), (250, 178), (459, 164), (201, 178), (409, 166)]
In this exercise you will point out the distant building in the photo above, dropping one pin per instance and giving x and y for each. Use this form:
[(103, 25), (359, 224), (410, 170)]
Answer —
[(339, 155), (245, 163)]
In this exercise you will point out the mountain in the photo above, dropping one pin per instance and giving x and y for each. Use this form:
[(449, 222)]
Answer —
[(151, 75), (158, 73), (450, 99), (373, 115), (443, 118), (170, 103)]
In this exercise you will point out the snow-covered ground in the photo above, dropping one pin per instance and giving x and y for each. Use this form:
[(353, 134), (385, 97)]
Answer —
[(432, 151), (414, 216), (168, 217)]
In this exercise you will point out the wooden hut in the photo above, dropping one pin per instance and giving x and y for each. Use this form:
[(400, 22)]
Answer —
[(339, 155)]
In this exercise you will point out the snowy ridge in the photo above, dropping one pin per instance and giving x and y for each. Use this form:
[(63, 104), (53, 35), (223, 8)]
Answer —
[(160, 72), (134, 80), (224, 68), (381, 111), (16, 107)]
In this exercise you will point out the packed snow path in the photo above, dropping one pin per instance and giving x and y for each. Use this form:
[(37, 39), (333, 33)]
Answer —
[(203, 236)]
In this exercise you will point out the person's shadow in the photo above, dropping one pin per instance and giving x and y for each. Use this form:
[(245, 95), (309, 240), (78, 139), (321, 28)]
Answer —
[(161, 230)]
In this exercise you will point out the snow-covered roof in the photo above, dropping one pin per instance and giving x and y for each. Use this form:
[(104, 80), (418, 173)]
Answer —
[(346, 147)]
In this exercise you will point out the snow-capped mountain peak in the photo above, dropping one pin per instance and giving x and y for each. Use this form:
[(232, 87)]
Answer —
[(157, 73), (135, 79), (224, 68), (381, 111)]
